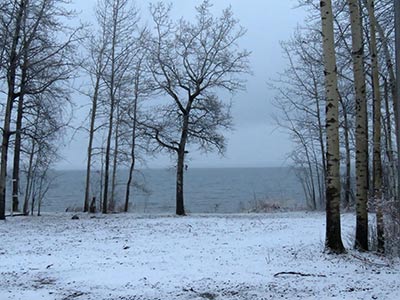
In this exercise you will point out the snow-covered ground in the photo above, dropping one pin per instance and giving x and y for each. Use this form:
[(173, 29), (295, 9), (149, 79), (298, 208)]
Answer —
[(130, 256)]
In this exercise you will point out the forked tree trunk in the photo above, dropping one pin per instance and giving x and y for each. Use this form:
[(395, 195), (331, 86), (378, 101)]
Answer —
[(377, 159), (333, 242), (361, 240)]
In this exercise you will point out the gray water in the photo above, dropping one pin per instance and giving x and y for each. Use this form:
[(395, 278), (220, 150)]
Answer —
[(219, 190)]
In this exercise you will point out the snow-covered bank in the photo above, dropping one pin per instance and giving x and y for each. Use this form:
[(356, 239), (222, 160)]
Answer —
[(130, 257)]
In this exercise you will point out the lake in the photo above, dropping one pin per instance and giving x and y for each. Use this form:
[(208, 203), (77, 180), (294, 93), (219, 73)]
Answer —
[(211, 190)]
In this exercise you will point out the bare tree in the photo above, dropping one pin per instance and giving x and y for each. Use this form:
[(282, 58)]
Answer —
[(97, 64), (190, 62), (12, 66)]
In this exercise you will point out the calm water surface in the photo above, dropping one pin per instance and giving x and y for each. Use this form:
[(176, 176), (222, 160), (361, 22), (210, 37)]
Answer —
[(224, 190)]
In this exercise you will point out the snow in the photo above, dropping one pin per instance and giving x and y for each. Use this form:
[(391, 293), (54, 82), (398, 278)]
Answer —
[(130, 256)]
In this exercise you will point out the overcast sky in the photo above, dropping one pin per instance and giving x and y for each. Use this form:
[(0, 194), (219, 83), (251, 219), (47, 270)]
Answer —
[(256, 141)]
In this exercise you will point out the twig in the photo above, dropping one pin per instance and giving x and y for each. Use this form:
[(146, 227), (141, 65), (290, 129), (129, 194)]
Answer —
[(299, 274), (370, 262)]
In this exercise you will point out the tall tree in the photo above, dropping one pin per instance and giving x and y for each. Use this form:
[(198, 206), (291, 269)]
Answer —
[(361, 241), (96, 68), (377, 156), (333, 240), (190, 61)]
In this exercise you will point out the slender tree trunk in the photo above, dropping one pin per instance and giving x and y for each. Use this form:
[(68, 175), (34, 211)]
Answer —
[(17, 156), (112, 107), (107, 160), (347, 187), (90, 145), (18, 129), (11, 82), (333, 240), (130, 179), (115, 162), (101, 180), (377, 159), (361, 241), (322, 147), (29, 180), (391, 173), (133, 146), (397, 99)]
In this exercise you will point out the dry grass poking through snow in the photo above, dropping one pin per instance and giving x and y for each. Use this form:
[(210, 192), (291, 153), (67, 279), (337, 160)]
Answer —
[(132, 257)]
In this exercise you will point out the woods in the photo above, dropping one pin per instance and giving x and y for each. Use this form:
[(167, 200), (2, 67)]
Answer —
[(138, 159), (361, 37), (160, 84)]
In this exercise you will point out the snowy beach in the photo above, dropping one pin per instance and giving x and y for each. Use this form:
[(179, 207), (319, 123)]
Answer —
[(130, 256)]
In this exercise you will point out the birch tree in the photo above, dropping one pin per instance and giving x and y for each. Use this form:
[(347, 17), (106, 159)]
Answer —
[(361, 241), (333, 240)]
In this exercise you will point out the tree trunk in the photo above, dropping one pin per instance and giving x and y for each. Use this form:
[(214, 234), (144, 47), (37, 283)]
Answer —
[(18, 126), (112, 108), (377, 160), (29, 180), (322, 201), (361, 241), (107, 160), (387, 122), (133, 146), (115, 163), (17, 155), (333, 242), (347, 186), (397, 100), (180, 208), (90, 146)]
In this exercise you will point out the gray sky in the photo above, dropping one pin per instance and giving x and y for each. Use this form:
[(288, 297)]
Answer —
[(256, 141)]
